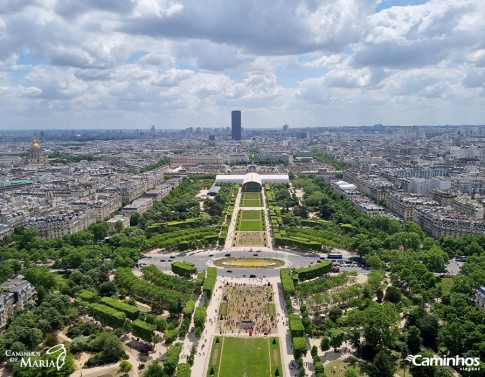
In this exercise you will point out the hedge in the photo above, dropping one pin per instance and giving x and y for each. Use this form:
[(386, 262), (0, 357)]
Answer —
[(131, 311), (155, 296), (286, 281), (106, 315), (153, 274), (189, 308), (184, 269), (299, 346), (296, 325), (183, 370), (172, 359), (200, 316), (200, 279), (301, 243), (88, 296), (210, 281), (314, 223), (317, 270), (143, 330)]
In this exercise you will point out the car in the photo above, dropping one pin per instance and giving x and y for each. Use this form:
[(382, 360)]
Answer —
[(319, 261), (141, 366), (230, 271), (172, 256), (252, 276), (244, 275), (227, 255), (255, 255), (162, 260), (143, 264), (211, 255)]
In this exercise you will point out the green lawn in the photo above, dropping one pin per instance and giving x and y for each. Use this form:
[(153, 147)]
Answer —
[(251, 203), (252, 195), (250, 215), (250, 221), (250, 226), (338, 367), (244, 357), (223, 308), (446, 284), (251, 199), (271, 310)]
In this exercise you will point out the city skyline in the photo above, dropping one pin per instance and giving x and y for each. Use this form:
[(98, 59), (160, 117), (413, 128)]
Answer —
[(130, 65)]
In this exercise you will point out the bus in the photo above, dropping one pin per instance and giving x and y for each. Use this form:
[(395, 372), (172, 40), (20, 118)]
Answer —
[(335, 256)]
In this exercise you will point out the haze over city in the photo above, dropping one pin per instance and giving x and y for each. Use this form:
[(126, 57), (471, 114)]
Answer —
[(127, 64)]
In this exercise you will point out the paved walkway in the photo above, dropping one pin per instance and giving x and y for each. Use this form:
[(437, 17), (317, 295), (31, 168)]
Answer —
[(201, 361), (190, 339), (203, 350), (231, 231)]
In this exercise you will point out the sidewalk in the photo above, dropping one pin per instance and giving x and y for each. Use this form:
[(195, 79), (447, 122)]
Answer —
[(202, 355)]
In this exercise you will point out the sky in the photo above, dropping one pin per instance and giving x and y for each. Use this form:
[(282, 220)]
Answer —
[(74, 64)]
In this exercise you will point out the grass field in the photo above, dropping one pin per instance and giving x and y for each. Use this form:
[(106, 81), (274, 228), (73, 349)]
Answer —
[(250, 215), (223, 308), (244, 357), (251, 199), (250, 221), (338, 367)]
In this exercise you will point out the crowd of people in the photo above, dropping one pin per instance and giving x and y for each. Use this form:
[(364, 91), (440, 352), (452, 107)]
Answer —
[(247, 311)]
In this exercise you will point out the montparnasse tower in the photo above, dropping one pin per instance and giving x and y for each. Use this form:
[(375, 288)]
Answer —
[(35, 155)]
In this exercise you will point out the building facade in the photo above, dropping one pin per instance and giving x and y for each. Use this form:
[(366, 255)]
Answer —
[(236, 124)]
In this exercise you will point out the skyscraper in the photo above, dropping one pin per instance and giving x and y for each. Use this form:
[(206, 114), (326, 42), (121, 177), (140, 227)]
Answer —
[(236, 124)]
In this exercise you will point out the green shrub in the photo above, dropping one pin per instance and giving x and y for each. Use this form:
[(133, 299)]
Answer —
[(296, 326), (131, 311), (210, 281), (299, 346), (286, 281), (143, 330), (184, 269)]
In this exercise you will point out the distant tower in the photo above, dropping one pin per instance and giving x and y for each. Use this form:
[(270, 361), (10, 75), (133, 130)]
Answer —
[(152, 129), (236, 124), (34, 155), (285, 128)]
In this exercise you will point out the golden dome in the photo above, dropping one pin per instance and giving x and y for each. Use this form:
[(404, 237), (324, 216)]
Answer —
[(35, 144)]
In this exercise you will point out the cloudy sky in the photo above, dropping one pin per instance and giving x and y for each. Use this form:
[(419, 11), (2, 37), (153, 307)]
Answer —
[(133, 63)]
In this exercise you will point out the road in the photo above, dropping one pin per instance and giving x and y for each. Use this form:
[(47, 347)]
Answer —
[(204, 259)]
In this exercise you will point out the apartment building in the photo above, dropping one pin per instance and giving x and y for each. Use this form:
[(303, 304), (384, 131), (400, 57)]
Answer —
[(15, 295)]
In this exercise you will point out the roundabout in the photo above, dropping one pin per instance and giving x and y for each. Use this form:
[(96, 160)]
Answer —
[(249, 262)]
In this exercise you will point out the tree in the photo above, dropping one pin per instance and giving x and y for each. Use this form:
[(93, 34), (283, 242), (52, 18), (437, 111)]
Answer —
[(108, 288), (393, 294), (351, 372), (379, 295), (335, 313), (414, 340), (125, 366), (428, 324), (134, 219), (374, 262), (99, 230), (325, 344), (383, 365), (154, 370), (118, 226), (336, 338)]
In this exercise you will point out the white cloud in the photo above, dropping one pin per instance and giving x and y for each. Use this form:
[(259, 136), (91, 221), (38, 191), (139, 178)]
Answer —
[(312, 62)]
